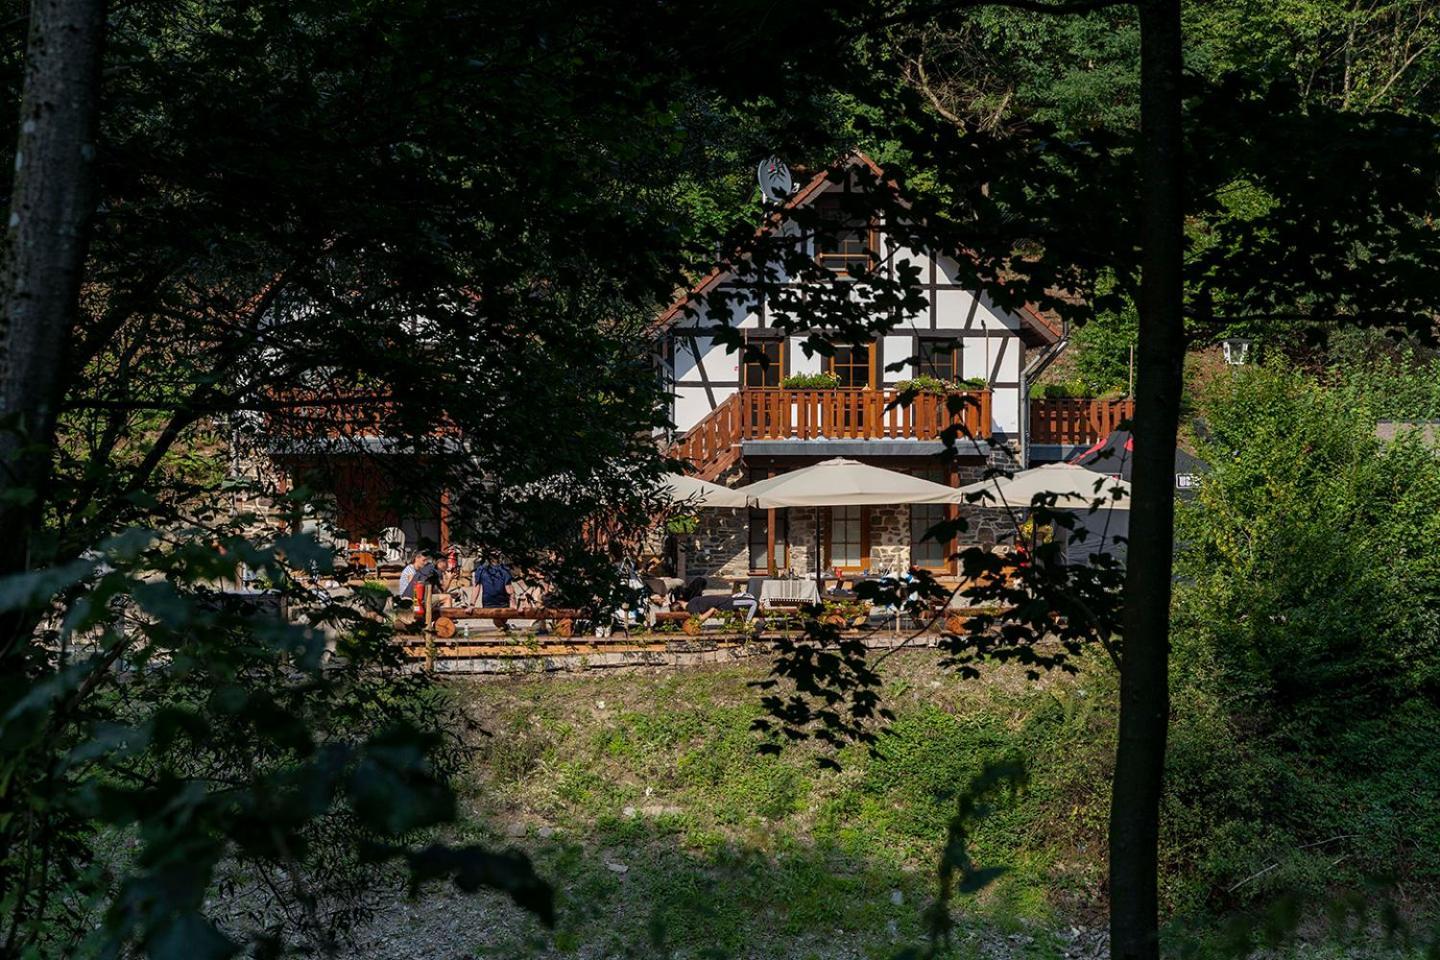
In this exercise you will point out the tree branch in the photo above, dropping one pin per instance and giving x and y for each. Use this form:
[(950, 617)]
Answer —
[(937, 12)]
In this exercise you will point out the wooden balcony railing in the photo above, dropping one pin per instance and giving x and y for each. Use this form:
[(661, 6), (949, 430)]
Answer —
[(336, 413), (781, 414), (1082, 420), (713, 444)]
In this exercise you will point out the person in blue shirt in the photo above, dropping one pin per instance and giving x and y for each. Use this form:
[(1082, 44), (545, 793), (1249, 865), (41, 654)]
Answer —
[(494, 586)]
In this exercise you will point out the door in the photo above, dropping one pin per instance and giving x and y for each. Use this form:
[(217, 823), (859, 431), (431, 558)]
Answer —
[(854, 366)]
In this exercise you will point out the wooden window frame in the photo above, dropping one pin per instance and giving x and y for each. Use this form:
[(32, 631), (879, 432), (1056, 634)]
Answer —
[(772, 535), (773, 539), (869, 364), (827, 539), (923, 365), (951, 546), (870, 228), (781, 365)]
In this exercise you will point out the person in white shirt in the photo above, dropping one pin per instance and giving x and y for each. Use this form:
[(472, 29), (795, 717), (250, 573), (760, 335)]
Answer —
[(407, 576)]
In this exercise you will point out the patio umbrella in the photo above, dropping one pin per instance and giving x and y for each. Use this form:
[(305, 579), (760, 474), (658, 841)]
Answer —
[(695, 492), (1073, 486), (1076, 489), (842, 483)]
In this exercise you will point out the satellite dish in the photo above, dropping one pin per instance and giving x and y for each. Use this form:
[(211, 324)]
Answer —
[(775, 182)]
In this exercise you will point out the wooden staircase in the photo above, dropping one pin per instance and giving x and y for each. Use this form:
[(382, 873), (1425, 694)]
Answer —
[(712, 446)]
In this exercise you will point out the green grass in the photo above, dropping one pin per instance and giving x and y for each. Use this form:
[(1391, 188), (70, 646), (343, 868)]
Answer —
[(729, 852)]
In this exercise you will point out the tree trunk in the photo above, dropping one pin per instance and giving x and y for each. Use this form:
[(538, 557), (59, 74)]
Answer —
[(1144, 675), (52, 204)]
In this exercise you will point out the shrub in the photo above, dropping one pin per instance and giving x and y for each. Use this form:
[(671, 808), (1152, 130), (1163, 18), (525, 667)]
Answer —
[(1305, 639), (1068, 390), (811, 381), (926, 383)]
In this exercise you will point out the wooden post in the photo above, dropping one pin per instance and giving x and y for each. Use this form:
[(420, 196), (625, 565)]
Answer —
[(770, 541), (444, 521)]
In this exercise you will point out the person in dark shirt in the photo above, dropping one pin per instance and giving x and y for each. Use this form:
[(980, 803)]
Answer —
[(493, 586), (430, 575)]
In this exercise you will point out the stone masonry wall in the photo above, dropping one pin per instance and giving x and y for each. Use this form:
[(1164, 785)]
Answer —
[(720, 545)]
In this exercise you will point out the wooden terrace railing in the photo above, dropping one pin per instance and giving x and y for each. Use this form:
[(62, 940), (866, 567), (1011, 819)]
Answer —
[(334, 414), (1078, 420), (713, 444)]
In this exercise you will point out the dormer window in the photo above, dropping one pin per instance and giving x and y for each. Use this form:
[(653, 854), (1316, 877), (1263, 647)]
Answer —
[(844, 243)]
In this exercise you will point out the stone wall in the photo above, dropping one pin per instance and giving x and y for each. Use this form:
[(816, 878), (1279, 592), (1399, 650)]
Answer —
[(719, 547), (890, 538)]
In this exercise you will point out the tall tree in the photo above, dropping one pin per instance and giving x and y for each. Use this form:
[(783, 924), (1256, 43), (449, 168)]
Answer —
[(419, 220), (1145, 673), (51, 207)]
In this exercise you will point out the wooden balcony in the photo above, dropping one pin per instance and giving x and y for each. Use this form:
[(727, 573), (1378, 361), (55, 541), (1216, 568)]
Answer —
[(713, 444), (335, 414), (1076, 420)]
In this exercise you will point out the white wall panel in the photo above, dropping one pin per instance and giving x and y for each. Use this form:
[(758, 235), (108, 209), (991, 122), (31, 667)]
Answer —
[(895, 349), (799, 362), (1005, 411), (691, 407)]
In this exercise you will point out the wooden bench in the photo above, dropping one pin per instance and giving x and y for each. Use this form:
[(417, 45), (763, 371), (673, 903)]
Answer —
[(561, 619)]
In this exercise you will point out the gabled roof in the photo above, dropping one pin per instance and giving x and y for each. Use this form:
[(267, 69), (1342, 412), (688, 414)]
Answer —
[(1037, 328)]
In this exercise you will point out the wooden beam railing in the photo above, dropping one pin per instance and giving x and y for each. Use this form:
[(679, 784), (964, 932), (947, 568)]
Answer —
[(778, 413), (1076, 420), (782, 414), (712, 446)]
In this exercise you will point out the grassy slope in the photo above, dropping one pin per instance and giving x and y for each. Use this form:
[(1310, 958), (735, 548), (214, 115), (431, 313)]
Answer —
[(729, 851)]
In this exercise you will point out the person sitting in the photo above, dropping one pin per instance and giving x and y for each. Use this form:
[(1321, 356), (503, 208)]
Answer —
[(494, 586), (430, 575), (407, 575), (704, 606)]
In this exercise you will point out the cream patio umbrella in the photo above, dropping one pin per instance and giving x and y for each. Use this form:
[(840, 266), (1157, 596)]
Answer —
[(695, 492), (842, 483), (1074, 487), (1076, 491)]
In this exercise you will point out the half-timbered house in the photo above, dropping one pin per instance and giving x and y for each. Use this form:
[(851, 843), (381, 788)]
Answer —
[(736, 419)]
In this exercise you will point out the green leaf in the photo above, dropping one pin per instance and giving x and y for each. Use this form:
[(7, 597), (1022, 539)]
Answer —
[(189, 936), (24, 591)]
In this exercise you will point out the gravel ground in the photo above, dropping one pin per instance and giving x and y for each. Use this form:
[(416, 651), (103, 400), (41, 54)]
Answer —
[(443, 925)]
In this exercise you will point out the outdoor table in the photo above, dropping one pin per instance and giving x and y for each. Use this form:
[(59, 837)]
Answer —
[(777, 592)]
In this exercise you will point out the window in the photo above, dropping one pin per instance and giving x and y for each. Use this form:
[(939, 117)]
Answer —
[(844, 242), (931, 554), (846, 543), (769, 373), (853, 364), (938, 358)]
